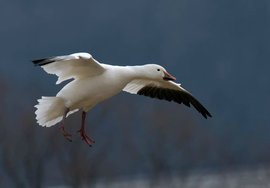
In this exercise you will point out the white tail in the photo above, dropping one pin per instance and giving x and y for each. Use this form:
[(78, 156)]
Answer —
[(50, 110)]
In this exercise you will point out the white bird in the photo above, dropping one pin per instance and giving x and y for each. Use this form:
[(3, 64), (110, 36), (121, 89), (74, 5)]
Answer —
[(94, 82)]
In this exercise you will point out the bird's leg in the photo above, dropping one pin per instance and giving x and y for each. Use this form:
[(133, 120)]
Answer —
[(62, 127), (84, 137)]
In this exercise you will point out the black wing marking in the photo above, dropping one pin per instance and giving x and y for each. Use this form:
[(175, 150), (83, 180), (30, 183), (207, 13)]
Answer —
[(174, 95), (45, 61)]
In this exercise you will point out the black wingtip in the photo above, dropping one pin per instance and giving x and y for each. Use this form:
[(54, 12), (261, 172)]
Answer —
[(206, 114), (44, 61), (37, 61)]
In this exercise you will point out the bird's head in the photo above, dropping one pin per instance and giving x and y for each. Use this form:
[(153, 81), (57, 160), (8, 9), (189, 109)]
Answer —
[(158, 72)]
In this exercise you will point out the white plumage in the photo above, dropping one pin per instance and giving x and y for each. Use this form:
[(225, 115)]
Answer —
[(93, 82)]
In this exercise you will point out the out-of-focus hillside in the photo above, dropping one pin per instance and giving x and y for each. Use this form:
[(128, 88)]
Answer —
[(255, 178)]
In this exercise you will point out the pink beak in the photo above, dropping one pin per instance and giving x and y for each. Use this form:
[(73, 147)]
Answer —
[(168, 76)]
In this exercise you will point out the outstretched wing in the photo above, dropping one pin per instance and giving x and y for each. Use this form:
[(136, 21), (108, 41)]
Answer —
[(165, 90), (74, 66)]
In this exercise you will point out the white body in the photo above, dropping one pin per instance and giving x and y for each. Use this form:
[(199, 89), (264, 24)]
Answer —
[(85, 93)]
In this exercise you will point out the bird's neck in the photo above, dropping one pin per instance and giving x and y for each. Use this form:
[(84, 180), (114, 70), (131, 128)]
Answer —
[(136, 72)]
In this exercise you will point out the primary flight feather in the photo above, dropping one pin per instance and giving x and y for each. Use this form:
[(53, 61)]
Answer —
[(94, 82)]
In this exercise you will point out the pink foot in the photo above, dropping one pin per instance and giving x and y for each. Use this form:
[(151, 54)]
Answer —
[(86, 138), (66, 134), (62, 127)]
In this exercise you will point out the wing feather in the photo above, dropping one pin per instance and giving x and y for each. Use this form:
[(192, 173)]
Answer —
[(76, 66), (166, 90)]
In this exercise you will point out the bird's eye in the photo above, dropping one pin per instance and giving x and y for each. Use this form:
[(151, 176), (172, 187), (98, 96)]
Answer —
[(158, 69)]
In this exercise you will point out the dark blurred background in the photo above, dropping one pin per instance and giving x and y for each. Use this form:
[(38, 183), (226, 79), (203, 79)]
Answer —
[(218, 50)]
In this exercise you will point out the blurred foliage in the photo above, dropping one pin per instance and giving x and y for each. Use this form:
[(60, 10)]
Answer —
[(163, 142)]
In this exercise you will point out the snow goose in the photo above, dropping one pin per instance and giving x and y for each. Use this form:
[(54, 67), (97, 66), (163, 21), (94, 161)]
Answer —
[(94, 82)]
